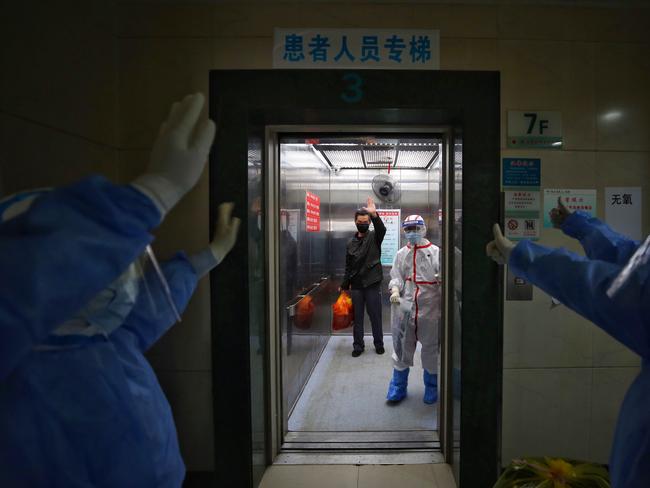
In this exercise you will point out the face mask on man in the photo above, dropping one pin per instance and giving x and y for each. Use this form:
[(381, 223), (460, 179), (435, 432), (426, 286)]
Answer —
[(363, 228)]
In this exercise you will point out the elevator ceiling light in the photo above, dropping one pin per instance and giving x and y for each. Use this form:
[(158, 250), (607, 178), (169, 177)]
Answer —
[(418, 157), (398, 156), (338, 144), (337, 152), (379, 156), (344, 158)]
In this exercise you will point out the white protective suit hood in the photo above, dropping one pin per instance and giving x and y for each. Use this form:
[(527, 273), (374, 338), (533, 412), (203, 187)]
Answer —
[(414, 229)]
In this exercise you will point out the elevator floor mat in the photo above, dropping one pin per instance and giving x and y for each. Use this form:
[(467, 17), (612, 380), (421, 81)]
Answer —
[(349, 394)]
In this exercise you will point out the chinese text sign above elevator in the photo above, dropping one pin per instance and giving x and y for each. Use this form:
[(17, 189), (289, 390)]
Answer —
[(390, 245), (312, 212), (530, 128), (356, 48)]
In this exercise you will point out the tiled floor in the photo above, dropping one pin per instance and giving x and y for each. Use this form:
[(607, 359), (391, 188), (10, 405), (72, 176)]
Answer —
[(392, 476)]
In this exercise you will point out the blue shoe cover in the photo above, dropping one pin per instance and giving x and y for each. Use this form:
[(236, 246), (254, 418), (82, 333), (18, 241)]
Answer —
[(430, 388), (397, 387)]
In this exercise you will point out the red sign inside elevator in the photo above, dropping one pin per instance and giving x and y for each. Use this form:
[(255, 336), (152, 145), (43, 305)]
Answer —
[(312, 212)]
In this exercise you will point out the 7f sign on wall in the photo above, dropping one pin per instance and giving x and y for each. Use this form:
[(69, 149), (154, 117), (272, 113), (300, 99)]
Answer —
[(531, 128), (312, 212)]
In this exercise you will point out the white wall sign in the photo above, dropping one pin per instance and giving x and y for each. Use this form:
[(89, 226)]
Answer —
[(532, 128), (392, 219), (623, 210), (521, 180), (356, 48), (522, 201), (584, 200), (518, 228)]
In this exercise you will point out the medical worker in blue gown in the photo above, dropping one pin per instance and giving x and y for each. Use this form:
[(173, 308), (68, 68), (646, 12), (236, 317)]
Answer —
[(80, 406), (610, 287)]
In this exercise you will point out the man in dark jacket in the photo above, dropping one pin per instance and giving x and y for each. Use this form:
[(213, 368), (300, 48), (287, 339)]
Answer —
[(363, 275)]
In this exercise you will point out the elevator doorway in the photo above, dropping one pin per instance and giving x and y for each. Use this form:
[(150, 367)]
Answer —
[(332, 403), (255, 111)]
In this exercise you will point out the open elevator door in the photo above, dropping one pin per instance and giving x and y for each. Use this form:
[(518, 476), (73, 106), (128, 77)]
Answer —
[(330, 403), (245, 105)]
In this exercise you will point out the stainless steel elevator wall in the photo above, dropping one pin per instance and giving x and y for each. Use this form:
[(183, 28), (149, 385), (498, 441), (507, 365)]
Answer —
[(313, 255), (304, 261)]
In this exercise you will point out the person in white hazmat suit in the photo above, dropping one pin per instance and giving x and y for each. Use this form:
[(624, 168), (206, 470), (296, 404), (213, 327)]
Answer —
[(415, 288)]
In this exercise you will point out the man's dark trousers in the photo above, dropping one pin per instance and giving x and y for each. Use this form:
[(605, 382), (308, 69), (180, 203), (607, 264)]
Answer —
[(369, 299)]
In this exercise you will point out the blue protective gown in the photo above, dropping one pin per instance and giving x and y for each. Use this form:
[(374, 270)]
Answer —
[(581, 284), (80, 411)]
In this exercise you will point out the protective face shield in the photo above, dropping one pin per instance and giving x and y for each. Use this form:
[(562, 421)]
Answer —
[(634, 276), (14, 205), (110, 307), (414, 229)]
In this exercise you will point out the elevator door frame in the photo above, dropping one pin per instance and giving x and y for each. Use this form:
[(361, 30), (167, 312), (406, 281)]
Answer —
[(243, 103), (278, 410)]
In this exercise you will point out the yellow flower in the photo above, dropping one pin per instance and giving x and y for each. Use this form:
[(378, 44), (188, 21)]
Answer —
[(560, 472)]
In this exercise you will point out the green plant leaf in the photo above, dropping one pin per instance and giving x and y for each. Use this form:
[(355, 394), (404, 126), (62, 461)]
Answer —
[(535, 473)]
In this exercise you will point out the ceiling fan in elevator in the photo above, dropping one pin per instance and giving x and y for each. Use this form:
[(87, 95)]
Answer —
[(386, 188)]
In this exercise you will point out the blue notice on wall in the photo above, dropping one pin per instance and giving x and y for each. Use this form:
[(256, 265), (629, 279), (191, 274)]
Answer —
[(521, 172)]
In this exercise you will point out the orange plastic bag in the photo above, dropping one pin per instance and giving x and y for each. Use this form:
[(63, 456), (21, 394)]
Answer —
[(342, 312), (304, 313)]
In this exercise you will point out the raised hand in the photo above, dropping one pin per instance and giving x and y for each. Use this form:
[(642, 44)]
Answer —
[(559, 214), (179, 154), (370, 207), (225, 233)]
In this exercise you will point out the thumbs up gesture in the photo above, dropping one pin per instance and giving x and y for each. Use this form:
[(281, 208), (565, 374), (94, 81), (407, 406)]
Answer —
[(500, 248)]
